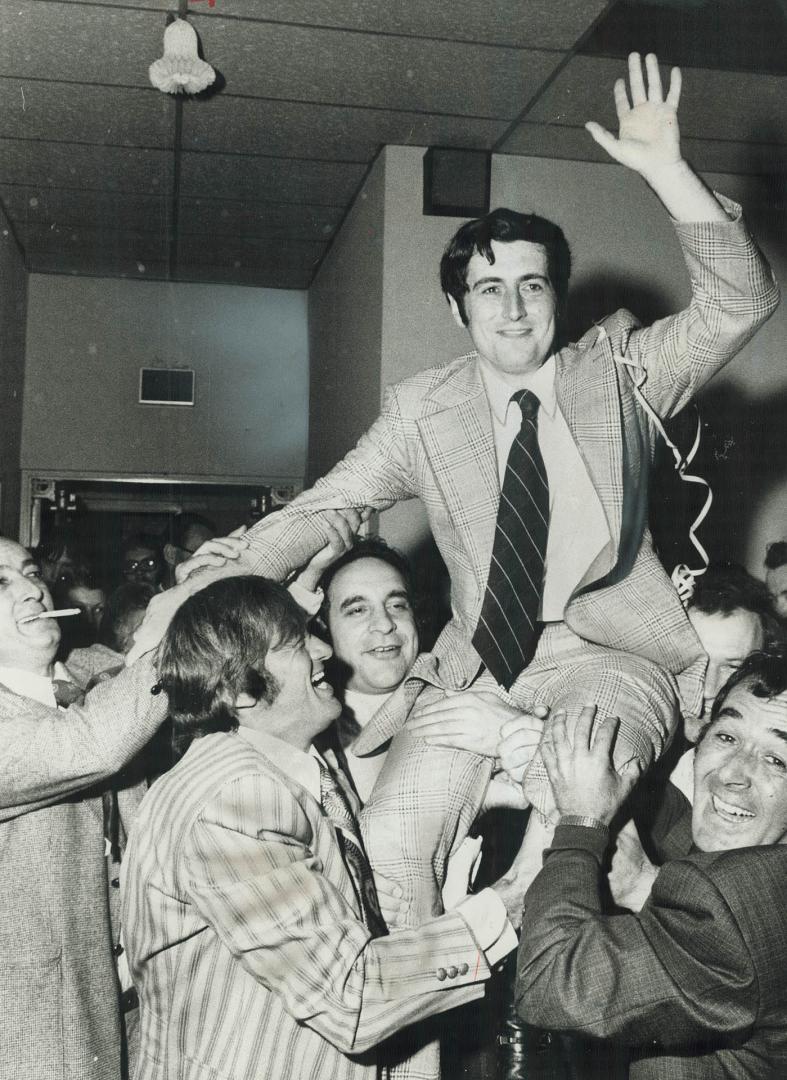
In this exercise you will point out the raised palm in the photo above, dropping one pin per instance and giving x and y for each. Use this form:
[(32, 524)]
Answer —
[(648, 136)]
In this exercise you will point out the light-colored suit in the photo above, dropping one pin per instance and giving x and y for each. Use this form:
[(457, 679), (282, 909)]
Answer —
[(245, 937), (626, 642), (59, 1017)]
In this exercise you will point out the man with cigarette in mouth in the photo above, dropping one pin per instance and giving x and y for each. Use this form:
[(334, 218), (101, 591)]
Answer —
[(61, 1003)]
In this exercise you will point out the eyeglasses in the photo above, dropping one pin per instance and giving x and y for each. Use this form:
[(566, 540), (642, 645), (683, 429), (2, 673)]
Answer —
[(132, 565)]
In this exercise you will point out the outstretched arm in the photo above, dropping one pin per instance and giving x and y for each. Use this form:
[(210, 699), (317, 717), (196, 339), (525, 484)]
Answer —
[(648, 142)]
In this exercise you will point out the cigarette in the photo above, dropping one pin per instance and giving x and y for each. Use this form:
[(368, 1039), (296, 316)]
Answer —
[(59, 614)]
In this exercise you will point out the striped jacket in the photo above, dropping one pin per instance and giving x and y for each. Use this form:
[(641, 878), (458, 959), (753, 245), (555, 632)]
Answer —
[(244, 935)]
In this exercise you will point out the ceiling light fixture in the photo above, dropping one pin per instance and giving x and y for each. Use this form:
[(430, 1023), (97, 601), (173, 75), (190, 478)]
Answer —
[(180, 70)]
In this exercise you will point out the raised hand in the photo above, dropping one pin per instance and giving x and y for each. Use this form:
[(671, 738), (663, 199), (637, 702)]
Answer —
[(342, 525), (583, 776), (648, 137)]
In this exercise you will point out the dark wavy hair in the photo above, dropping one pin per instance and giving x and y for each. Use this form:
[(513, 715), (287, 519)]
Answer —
[(215, 649), (765, 676), (725, 588), (505, 226)]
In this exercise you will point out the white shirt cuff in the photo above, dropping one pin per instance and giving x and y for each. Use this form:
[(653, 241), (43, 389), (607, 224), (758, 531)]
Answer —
[(487, 919)]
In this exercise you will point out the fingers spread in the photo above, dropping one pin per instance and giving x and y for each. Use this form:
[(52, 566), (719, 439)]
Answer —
[(655, 91), (636, 80), (673, 95)]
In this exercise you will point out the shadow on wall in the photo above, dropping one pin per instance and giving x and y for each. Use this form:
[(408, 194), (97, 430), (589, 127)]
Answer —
[(743, 456)]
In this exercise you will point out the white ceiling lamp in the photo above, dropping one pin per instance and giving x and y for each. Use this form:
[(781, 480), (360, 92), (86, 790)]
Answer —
[(180, 70)]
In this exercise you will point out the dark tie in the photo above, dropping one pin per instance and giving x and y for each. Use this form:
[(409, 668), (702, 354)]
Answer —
[(337, 809), (505, 637)]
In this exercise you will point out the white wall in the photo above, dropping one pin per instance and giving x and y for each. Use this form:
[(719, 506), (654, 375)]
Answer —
[(345, 312), (13, 301), (87, 339)]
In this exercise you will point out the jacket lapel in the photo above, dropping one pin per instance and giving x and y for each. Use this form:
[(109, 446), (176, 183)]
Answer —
[(588, 396), (459, 444)]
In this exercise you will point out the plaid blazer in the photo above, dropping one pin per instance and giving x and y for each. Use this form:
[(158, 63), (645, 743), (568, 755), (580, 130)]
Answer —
[(59, 1018), (434, 440), (245, 938), (696, 983)]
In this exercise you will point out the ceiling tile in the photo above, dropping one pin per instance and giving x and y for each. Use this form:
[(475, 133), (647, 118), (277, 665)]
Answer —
[(714, 104), (741, 35), (269, 179), (270, 277), (248, 251), (98, 244), (292, 129), (79, 43), (521, 23), (706, 155), (288, 63), (87, 167), (271, 220), (89, 264), (99, 209), (88, 114)]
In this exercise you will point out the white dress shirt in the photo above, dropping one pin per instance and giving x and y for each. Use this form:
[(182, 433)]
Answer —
[(578, 527)]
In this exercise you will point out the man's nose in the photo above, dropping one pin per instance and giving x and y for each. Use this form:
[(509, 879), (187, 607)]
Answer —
[(28, 589), (736, 770), (514, 302), (318, 649), (382, 620)]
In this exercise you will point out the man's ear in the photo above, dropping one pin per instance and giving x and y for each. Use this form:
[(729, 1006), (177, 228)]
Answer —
[(457, 314), (170, 555)]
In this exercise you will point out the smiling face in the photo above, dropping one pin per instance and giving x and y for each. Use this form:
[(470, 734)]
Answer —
[(372, 625), (511, 308), (728, 640), (305, 704), (30, 646), (740, 774)]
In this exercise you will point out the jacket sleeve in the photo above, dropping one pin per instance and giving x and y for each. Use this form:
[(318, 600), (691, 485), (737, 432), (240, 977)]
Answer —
[(677, 973), (47, 754), (281, 913), (733, 293), (375, 473)]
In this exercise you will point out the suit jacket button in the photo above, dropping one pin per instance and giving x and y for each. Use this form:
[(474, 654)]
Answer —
[(115, 883), (452, 972), (463, 969), (441, 974), (117, 950)]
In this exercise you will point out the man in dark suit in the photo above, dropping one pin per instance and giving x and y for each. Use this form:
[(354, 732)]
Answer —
[(695, 983)]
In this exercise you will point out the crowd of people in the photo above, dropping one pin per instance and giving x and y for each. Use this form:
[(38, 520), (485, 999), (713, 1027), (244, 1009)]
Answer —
[(563, 826)]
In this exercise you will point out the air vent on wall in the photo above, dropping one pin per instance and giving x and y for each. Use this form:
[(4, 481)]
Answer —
[(166, 386)]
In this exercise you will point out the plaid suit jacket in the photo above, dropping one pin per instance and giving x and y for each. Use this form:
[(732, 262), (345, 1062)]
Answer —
[(696, 983), (59, 1018), (245, 938), (434, 440)]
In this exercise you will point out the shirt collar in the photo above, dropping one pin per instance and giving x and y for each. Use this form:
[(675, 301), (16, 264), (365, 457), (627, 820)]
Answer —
[(301, 766), (541, 382), (38, 687)]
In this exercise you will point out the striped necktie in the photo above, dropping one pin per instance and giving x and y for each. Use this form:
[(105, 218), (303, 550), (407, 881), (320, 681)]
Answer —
[(506, 635), (337, 810)]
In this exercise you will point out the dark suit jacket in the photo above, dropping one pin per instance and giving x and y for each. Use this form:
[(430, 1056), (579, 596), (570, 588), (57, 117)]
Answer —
[(58, 991), (696, 982)]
